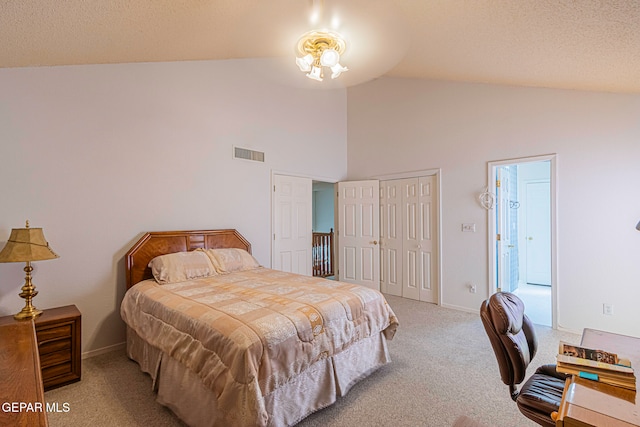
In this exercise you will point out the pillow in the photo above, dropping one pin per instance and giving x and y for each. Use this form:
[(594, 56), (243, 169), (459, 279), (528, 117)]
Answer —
[(181, 266), (231, 259)]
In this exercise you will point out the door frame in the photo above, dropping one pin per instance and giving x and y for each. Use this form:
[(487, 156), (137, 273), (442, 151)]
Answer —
[(491, 226), (437, 172)]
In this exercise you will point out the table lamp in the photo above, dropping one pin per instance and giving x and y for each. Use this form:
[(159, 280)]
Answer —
[(26, 245)]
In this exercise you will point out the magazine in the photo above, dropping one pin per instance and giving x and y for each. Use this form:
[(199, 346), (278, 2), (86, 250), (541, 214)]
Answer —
[(591, 354)]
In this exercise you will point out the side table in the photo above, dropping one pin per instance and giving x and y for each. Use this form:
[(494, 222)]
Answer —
[(58, 332)]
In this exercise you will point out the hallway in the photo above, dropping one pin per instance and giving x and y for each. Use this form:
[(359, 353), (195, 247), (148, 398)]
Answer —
[(537, 302)]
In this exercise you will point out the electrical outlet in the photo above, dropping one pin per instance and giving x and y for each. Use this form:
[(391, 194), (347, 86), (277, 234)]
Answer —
[(607, 309), (472, 288)]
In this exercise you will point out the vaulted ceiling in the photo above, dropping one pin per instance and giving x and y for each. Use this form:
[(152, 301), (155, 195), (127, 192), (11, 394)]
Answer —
[(572, 44)]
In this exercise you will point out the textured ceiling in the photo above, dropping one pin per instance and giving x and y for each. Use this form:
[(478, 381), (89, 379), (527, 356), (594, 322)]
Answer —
[(573, 44)]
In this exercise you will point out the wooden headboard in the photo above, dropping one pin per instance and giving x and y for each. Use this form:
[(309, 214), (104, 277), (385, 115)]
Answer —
[(167, 242)]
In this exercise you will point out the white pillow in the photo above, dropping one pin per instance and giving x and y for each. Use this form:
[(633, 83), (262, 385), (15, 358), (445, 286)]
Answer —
[(181, 266), (229, 260)]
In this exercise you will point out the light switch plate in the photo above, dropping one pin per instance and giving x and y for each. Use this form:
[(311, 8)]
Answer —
[(469, 228)]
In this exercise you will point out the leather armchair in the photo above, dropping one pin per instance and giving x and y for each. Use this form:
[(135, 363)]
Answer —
[(513, 338)]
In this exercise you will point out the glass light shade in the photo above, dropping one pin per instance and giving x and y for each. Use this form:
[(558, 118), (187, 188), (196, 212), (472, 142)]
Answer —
[(329, 58), (317, 49), (337, 70), (315, 74), (305, 62)]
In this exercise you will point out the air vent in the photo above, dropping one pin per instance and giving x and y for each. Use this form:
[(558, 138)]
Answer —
[(243, 153)]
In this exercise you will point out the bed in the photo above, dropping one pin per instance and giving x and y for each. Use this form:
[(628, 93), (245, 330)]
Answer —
[(229, 342)]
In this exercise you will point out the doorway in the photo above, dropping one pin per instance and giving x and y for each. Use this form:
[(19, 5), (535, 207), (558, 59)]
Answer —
[(323, 231), (301, 206), (522, 235)]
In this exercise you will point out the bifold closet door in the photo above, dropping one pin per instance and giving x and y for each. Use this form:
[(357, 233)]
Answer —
[(391, 236), (408, 249), (418, 246)]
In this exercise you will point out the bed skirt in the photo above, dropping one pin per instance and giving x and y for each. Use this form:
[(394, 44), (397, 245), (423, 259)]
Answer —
[(317, 387)]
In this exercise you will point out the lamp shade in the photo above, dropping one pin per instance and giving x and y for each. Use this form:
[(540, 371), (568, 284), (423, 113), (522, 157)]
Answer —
[(26, 244)]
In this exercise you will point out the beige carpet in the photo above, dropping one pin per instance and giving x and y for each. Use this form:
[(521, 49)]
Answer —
[(443, 367)]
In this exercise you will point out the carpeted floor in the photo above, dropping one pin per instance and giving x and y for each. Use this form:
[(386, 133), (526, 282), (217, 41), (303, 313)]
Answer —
[(443, 367)]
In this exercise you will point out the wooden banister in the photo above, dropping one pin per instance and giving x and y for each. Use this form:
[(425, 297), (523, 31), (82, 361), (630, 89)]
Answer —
[(323, 254)]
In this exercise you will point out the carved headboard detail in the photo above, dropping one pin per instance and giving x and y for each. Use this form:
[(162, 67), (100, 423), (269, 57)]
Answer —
[(157, 243)]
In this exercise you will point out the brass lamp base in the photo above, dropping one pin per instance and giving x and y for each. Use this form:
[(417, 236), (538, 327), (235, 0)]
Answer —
[(28, 292), (27, 313)]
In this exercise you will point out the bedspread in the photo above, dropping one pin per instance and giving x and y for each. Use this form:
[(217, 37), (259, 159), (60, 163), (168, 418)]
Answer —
[(247, 333)]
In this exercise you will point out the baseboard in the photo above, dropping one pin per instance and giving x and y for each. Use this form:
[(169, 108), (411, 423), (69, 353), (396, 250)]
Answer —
[(571, 331), (103, 350), (460, 308)]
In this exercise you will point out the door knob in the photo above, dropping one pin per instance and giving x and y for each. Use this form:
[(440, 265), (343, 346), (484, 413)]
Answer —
[(530, 238), (419, 246), (375, 242)]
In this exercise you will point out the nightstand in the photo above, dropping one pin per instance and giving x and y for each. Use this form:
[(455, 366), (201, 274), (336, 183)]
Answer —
[(58, 331)]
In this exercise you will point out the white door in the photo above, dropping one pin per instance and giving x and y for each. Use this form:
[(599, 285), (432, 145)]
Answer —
[(292, 224), (359, 233), (538, 233), (418, 239), (391, 237), (503, 237)]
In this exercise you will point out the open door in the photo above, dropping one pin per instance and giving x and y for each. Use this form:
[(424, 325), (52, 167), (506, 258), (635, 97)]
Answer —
[(292, 224), (503, 228), (538, 257), (359, 233)]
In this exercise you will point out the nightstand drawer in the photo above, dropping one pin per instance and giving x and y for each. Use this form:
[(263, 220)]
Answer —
[(55, 358), (46, 334), (53, 372), (53, 346)]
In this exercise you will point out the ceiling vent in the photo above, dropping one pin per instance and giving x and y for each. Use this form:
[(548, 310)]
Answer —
[(246, 154)]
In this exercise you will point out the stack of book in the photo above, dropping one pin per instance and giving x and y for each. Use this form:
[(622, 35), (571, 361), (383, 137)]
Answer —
[(597, 365)]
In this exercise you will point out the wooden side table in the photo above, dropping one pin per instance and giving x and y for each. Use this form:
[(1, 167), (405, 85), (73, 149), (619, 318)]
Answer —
[(58, 332)]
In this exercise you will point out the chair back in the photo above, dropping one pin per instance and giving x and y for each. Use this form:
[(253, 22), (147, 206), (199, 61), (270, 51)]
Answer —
[(512, 336)]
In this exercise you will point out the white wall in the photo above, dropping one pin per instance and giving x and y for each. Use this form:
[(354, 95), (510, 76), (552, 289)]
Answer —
[(97, 155), (397, 125)]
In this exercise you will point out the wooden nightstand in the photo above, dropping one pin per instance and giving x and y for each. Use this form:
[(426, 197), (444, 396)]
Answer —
[(58, 332)]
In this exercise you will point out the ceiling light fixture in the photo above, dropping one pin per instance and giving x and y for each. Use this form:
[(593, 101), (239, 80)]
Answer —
[(320, 48)]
